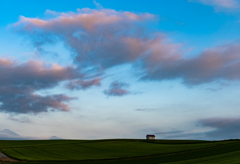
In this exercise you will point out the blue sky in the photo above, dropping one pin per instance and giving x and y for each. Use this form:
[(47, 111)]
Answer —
[(119, 69)]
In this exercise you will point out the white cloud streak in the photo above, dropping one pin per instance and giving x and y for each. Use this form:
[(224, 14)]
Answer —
[(223, 5)]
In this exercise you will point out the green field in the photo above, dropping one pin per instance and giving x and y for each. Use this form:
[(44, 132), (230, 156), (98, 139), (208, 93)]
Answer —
[(122, 151)]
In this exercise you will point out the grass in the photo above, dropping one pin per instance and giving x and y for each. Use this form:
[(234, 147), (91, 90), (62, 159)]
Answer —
[(123, 151), (230, 158), (24, 143)]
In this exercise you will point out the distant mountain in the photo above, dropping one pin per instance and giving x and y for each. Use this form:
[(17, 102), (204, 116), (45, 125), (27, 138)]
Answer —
[(54, 138), (9, 132)]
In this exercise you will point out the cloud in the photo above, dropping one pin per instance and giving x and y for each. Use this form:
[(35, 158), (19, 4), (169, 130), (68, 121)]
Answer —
[(99, 39), (207, 129), (117, 89), (105, 38), (220, 4), (145, 110), (224, 128), (34, 74), (187, 135), (98, 5), (83, 84), (170, 132), (20, 82), (215, 64), (23, 119), (178, 134)]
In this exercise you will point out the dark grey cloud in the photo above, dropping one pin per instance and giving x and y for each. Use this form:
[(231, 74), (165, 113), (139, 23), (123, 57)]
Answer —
[(224, 128), (19, 83), (32, 103), (34, 74), (124, 37), (117, 89)]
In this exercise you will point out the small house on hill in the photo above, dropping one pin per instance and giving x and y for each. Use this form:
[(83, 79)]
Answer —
[(150, 137)]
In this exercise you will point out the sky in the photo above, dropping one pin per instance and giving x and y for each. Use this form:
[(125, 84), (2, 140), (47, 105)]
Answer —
[(97, 69)]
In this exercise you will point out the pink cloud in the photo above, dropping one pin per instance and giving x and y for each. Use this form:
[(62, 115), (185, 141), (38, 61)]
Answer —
[(89, 19), (215, 64), (92, 35), (102, 39)]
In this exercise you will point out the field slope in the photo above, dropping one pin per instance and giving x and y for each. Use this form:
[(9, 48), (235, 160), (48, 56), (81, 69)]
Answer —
[(122, 151)]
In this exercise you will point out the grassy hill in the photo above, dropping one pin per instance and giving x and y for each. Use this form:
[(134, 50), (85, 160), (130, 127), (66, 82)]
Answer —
[(123, 151)]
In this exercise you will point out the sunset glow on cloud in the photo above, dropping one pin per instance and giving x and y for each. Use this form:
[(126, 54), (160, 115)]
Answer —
[(152, 67)]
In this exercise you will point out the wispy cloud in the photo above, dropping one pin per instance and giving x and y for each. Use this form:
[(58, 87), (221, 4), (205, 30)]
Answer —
[(98, 5), (22, 119), (178, 134), (220, 4), (83, 84), (145, 110)]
